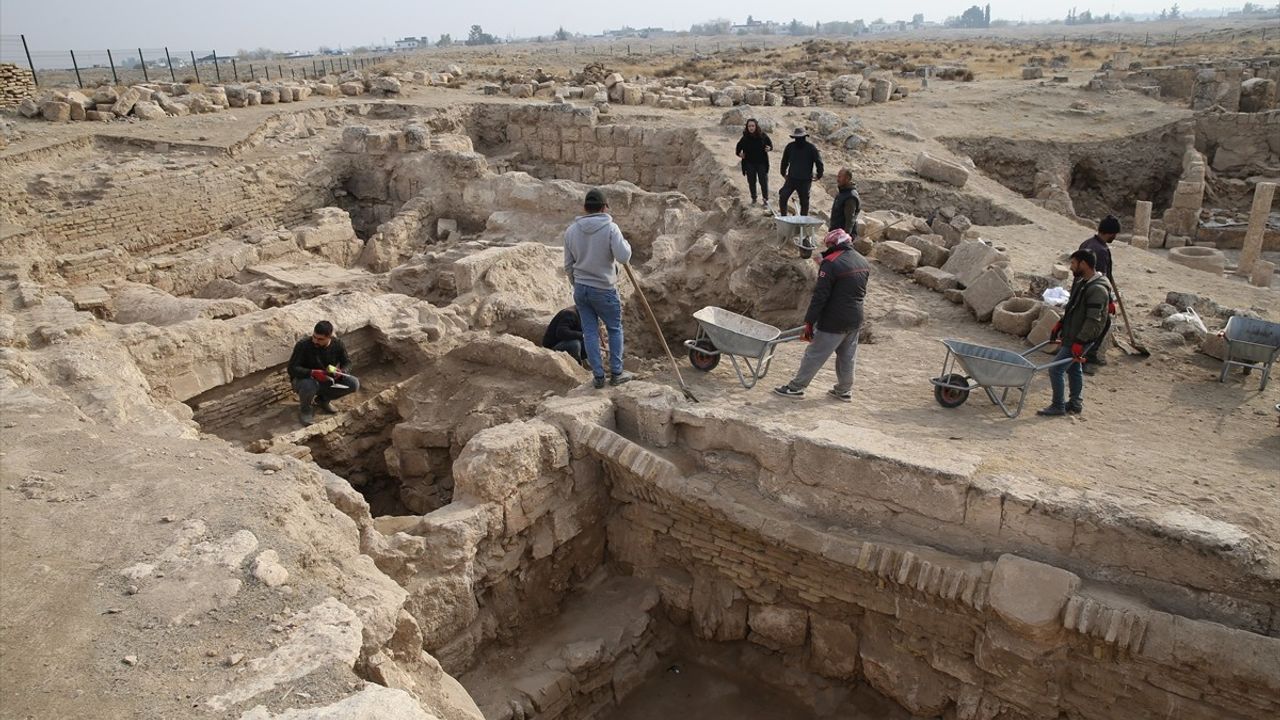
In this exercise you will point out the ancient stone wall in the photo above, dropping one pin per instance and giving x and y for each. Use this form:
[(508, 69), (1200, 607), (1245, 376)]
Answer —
[(16, 84), (934, 631), (1240, 145)]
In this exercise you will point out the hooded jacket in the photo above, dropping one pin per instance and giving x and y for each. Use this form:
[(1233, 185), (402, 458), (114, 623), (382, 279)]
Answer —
[(801, 161), (754, 148), (836, 306), (592, 244), (1085, 318)]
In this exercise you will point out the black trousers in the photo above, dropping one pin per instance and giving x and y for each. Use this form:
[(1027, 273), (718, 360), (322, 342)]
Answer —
[(573, 347), (800, 188), (757, 173)]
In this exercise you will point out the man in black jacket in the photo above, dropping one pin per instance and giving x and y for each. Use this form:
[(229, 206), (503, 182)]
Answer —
[(834, 318), (320, 371), (564, 334), (801, 165), (844, 209)]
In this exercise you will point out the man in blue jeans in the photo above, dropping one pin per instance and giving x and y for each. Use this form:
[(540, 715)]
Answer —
[(593, 245), (1084, 323)]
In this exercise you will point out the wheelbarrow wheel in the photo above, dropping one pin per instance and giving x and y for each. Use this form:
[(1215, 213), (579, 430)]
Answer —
[(951, 397), (706, 362)]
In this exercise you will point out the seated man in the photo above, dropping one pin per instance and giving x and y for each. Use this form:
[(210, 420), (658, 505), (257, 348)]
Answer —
[(565, 334), (319, 368)]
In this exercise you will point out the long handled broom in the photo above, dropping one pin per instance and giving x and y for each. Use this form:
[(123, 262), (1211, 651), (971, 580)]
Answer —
[(657, 329)]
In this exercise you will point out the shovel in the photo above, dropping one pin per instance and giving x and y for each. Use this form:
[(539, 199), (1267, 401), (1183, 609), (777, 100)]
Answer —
[(1137, 348), (657, 329)]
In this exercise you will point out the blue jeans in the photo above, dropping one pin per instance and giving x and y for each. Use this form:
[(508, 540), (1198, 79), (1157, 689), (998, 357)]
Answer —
[(596, 305), (1073, 373)]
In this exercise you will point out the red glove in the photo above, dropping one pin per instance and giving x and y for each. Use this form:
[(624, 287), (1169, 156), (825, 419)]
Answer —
[(319, 375), (807, 334), (1111, 308), (1077, 352), (1056, 332)]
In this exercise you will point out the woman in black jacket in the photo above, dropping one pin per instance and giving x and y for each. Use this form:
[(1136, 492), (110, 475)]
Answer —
[(754, 149)]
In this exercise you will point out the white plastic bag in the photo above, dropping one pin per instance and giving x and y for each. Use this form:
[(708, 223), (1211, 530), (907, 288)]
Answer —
[(1189, 315), (1056, 296)]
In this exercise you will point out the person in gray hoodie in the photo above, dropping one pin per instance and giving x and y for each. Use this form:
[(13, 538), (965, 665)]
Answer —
[(592, 245)]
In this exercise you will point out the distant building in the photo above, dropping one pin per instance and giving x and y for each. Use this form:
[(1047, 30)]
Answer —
[(411, 43)]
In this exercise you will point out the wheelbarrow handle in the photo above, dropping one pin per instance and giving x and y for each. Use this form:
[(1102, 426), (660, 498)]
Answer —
[(1037, 347), (791, 334)]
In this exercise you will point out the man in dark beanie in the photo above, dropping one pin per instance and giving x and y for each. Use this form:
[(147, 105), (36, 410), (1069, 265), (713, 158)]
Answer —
[(1099, 246)]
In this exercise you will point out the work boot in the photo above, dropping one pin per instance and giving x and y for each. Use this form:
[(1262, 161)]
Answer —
[(1053, 411), (598, 383), (306, 415), (1089, 369), (326, 407), (1075, 407), (622, 377)]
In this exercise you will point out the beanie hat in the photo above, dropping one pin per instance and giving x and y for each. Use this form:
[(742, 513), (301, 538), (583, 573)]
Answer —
[(835, 237), (1109, 224)]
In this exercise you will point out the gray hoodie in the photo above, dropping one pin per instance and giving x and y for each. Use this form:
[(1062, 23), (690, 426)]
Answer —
[(591, 246)]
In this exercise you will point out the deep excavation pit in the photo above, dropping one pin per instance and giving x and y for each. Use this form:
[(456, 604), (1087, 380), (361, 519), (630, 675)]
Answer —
[(626, 555)]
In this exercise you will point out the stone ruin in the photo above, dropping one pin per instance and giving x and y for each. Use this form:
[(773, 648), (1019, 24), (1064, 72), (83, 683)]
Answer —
[(476, 537)]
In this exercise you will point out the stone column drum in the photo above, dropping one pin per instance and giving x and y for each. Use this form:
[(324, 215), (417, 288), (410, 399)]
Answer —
[(1263, 193)]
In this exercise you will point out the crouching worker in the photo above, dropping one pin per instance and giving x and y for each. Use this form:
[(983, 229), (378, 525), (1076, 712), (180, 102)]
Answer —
[(320, 370), (1084, 323), (564, 334), (834, 318)]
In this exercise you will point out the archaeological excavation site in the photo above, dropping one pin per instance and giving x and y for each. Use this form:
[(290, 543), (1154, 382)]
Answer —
[(480, 533)]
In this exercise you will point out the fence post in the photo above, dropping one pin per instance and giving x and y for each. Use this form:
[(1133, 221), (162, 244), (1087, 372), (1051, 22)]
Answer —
[(251, 75), (330, 64), (77, 67), (195, 66), (268, 69), (115, 79), (217, 71), (281, 69), (169, 60), (30, 64), (234, 71), (291, 75), (143, 60)]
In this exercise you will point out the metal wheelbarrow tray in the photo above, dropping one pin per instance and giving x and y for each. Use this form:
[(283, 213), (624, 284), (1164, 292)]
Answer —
[(722, 332), (990, 369), (1251, 344)]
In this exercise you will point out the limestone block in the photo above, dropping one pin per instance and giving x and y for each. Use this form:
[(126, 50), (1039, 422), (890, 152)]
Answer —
[(632, 94), (612, 79), (354, 87), (900, 675), (105, 95), (55, 111), (385, 84), (834, 648), (719, 611), (968, 260), (932, 253), (252, 97), (1181, 221), (881, 90), (897, 256), (934, 168), (1200, 258), (1029, 596), (1043, 327), (1262, 273), (991, 288), (269, 96), (1016, 316), (147, 110), (1032, 73), (1188, 195), (28, 108), (125, 102), (777, 627), (99, 115), (935, 279)]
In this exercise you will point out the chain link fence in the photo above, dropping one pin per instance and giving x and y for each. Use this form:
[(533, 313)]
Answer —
[(129, 66)]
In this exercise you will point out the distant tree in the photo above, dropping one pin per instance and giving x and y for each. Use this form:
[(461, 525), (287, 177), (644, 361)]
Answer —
[(752, 21), (794, 27), (561, 34), (918, 19), (445, 40), (986, 16), (974, 17), (478, 36), (1174, 12)]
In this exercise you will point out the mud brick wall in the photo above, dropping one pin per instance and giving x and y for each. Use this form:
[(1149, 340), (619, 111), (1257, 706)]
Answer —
[(142, 208), (935, 632)]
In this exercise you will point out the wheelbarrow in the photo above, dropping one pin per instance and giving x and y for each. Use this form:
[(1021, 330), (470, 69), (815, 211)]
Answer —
[(721, 332), (988, 368), (801, 230), (1252, 344)]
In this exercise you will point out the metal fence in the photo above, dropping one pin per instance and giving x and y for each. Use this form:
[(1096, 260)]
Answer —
[(127, 66)]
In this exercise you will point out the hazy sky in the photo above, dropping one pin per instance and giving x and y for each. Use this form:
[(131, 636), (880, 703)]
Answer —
[(226, 25)]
